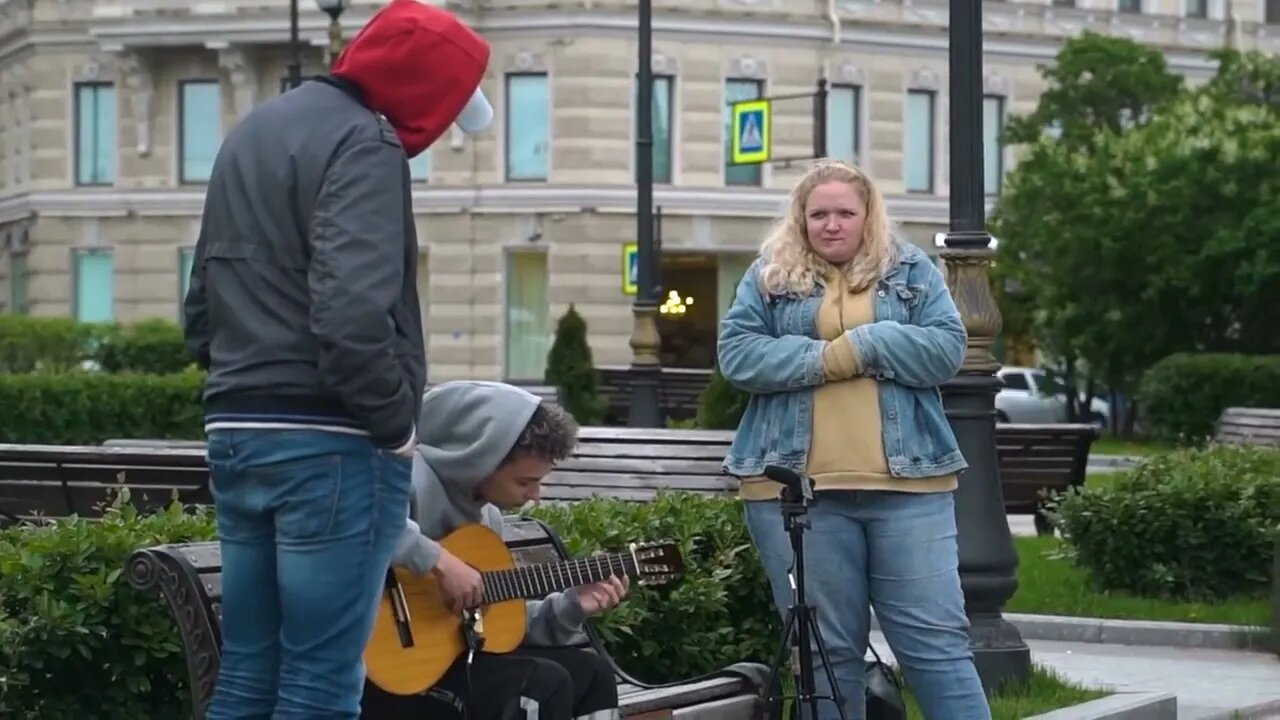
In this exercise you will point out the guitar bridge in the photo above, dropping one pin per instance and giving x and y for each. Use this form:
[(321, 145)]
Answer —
[(399, 609)]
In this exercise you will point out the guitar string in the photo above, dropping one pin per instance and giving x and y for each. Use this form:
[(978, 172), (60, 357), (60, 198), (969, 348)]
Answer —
[(539, 579), (516, 582)]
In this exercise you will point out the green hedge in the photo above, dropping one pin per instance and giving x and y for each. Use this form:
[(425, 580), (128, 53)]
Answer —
[(79, 408), (76, 641), (1183, 395), (1198, 524), (719, 614), (29, 344)]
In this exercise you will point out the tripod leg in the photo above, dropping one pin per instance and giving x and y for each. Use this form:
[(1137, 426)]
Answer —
[(780, 657), (808, 693), (836, 696)]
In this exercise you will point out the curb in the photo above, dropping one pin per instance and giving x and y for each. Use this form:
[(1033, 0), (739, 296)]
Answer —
[(1261, 711), (1107, 631), (1113, 461), (1120, 706)]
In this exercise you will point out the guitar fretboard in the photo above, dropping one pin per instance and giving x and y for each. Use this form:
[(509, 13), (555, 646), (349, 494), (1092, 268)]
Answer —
[(537, 581)]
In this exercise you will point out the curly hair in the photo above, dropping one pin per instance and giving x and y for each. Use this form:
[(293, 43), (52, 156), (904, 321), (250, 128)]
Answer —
[(789, 263), (551, 434)]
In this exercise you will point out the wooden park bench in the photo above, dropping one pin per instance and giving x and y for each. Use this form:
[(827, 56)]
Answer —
[(1249, 426), (625, 463), (62, 480), (1038, 459), (187, 577), (679, 390), (635, 463)]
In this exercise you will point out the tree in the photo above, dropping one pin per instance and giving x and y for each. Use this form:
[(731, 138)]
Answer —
[(571, 369), (1097, 84), (1158, 239)]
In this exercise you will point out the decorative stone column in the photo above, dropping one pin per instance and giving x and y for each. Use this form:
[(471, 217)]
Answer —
[(139, 84), (238, 65)]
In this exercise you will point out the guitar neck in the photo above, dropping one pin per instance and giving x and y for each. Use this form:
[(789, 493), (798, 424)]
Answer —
[(536, 581)]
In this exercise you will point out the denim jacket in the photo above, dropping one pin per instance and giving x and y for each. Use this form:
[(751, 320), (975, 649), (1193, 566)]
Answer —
[(769, 347)]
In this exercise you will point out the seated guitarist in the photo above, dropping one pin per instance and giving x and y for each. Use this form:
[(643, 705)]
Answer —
[(484, 447)]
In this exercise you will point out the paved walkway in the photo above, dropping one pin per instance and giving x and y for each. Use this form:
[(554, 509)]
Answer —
[(1208, 683)]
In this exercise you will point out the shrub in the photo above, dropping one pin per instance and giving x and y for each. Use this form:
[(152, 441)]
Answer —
[(29, 344), (571, 369), (721, 405), (77, 408), (720, 613), (1195, 524), (76, 641), (150, 346), (46, 343), (1183, 395)]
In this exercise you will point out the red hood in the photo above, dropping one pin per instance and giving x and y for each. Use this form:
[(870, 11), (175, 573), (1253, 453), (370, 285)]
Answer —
[(418, 65)]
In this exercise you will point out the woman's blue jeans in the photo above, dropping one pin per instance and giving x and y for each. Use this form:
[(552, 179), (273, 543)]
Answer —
[(895, 552)]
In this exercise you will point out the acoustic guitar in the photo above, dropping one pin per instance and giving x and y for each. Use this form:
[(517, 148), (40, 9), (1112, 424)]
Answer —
[(416, 637)]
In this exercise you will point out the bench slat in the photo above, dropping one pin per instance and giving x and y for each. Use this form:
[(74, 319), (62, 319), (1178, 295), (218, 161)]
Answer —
[(657, 466)]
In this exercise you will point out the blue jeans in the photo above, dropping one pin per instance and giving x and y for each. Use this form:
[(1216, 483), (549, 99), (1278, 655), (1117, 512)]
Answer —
[(895, 552), (308, 521)]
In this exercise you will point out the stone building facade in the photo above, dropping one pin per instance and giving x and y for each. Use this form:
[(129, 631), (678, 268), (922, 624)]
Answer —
[(111, 112)]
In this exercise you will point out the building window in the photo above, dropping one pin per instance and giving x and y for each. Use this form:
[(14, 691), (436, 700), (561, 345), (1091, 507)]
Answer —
[(95, 151), (1197, 8), (1272, 12), (843, 122), (186, 255), (918, 143), (420, 167), (1129, 6), (18, 283), (527, 329), (200, 129), (992, 146), (528, 126), (93, 276), (663, 118), (736, 90)]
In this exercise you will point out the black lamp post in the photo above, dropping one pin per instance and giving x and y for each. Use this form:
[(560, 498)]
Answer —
[(646, 367), (334, 8), (295, 47), (987, 558)]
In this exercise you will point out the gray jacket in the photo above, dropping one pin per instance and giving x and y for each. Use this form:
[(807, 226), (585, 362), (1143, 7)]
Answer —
[(303, 302), (466, 430)]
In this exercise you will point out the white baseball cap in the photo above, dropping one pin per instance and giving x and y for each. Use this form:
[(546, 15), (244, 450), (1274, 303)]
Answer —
[(476, 114)]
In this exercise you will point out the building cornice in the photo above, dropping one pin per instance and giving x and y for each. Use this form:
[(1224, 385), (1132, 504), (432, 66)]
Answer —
[(501, 199), (1006, 32)]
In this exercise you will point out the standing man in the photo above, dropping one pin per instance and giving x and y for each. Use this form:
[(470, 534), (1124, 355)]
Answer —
[(303, 307)]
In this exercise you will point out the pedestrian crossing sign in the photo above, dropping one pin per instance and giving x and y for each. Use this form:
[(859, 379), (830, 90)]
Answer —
[(630, 268), (752, 125)]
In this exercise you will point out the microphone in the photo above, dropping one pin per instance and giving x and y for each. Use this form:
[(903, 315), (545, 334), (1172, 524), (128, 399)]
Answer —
[(797, 486)]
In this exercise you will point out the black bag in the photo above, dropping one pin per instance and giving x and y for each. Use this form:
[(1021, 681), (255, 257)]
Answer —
[(884, 691)]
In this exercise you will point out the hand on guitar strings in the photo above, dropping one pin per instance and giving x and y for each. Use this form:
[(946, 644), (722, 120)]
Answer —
[(460, 584), (601, 596)]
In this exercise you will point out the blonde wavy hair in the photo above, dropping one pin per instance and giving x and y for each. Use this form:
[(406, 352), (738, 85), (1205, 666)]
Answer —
[(790, 264)]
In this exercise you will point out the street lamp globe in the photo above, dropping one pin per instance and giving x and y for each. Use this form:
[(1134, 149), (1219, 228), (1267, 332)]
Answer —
[(334, 8)]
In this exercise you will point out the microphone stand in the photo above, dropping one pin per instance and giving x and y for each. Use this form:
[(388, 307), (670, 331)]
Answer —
[(801, 624)]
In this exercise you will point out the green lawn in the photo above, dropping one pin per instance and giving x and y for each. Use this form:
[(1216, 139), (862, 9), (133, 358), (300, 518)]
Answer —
[(1044, 691), (1115, 446), (1051, 585)]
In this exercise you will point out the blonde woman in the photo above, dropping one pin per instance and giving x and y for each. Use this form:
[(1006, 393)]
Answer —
[(841, 336)]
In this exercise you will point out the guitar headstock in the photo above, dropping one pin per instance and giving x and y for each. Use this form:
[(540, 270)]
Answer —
[(657, 563)]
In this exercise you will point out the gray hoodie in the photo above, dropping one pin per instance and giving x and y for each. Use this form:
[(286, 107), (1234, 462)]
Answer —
[(465, 429)]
